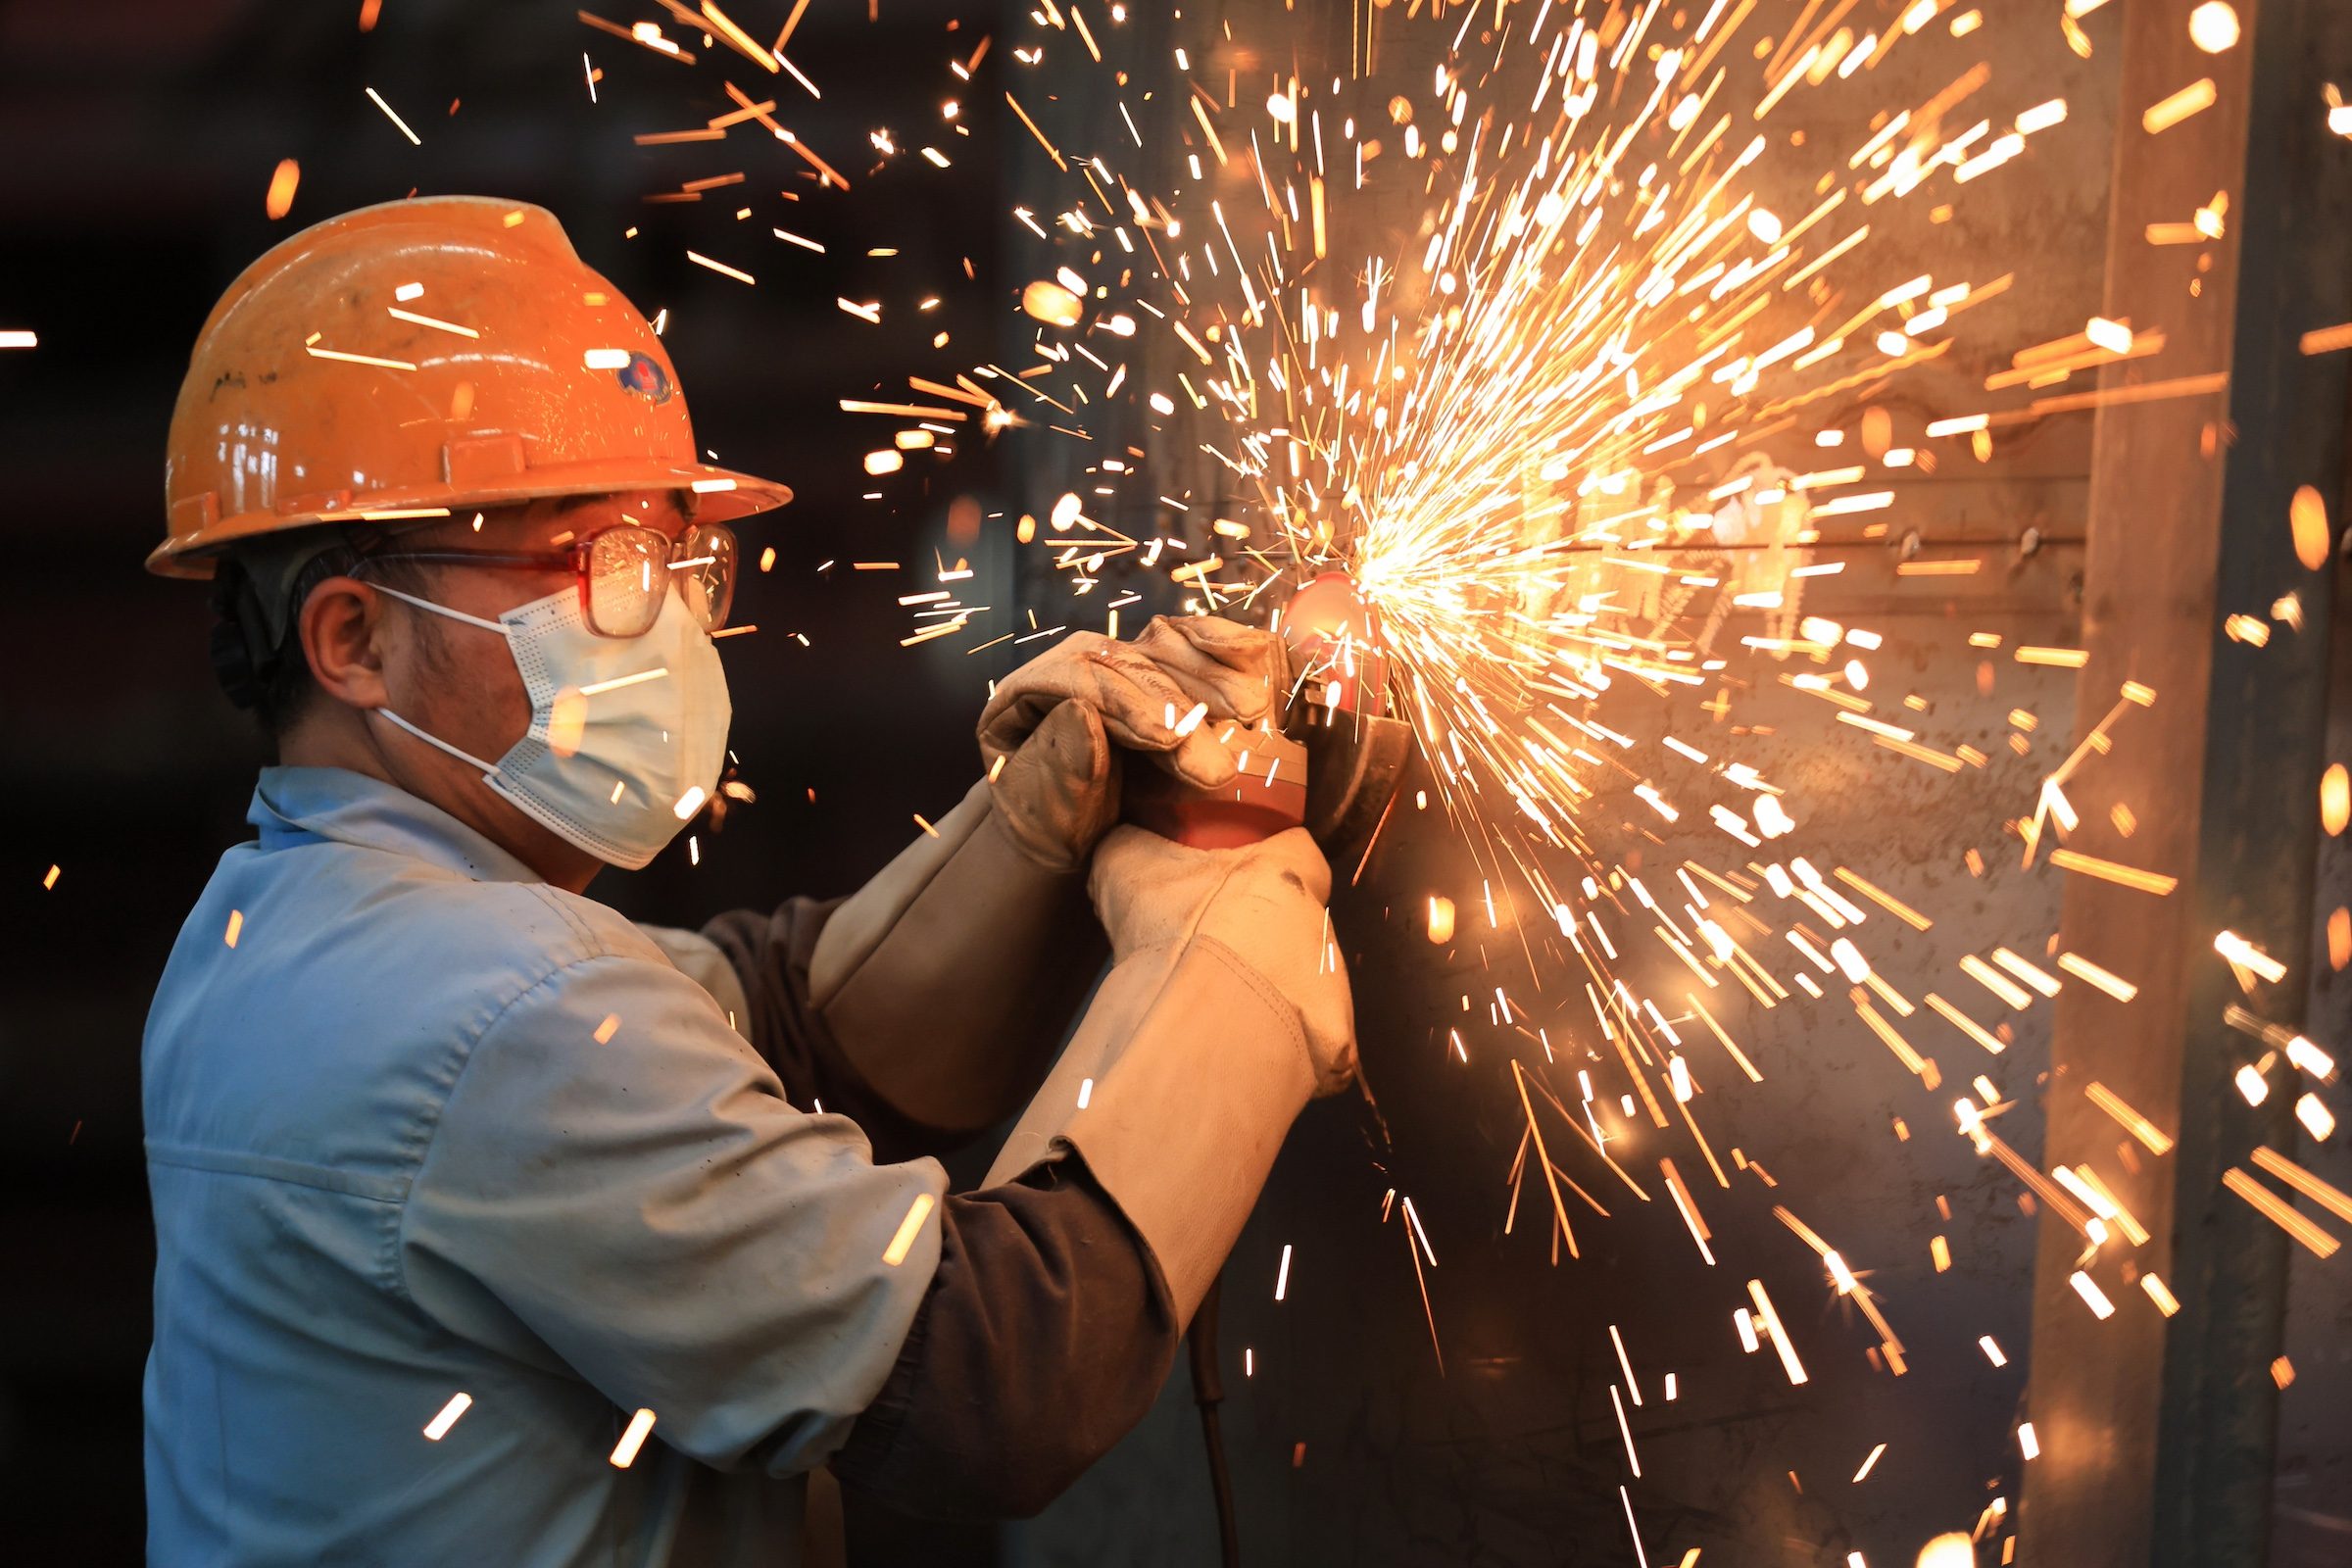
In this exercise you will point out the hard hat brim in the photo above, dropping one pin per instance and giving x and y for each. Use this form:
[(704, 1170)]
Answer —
[(724, 495)]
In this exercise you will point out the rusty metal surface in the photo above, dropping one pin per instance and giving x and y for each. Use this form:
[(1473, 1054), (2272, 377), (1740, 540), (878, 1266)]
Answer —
[(1509, 1453)]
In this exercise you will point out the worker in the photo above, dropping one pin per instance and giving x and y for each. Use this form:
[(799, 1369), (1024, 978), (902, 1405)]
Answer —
[(460, 1178)]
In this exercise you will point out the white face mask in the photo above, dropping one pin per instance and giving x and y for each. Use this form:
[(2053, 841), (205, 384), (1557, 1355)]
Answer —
[(627, 735)]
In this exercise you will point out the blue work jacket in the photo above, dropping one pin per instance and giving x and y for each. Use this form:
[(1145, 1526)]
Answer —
[(420, 1125)]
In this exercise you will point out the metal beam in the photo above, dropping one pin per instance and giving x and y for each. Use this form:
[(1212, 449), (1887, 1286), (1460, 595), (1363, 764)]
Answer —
[(2157, 1433)]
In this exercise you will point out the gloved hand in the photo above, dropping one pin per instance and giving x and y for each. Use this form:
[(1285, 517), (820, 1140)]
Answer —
[(1057, 792), (947, 980), (1046, 732), (1144, 689), (1226, 1008), (1264, 902)]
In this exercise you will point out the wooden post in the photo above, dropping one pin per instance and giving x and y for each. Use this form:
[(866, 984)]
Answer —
[(2156, 1433)]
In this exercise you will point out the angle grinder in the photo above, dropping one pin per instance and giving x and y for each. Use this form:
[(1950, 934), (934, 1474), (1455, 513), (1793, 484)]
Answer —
[(1333, 765)]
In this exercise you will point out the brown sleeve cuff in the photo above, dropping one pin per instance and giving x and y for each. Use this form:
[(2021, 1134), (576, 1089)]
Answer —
[(1045, 1337)]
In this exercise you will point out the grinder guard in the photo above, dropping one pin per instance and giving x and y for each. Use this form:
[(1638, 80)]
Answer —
[(1332, 768), (1356, 752)]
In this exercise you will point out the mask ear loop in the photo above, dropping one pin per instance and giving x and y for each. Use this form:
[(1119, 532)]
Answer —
[(443, 610), (489, 770)]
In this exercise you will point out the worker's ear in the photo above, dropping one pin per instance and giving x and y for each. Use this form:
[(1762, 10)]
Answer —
[(343, 624)]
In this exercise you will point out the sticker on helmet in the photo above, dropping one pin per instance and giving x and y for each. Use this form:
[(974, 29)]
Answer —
[(644, 375)]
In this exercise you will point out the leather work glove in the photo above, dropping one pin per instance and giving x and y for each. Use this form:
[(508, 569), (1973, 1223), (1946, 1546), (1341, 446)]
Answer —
[(1226, 1008), (1057, 792), (1135, 694), (1264, 902), (948, 979)]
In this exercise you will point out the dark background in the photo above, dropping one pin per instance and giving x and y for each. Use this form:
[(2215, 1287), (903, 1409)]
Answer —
[(136, 143)]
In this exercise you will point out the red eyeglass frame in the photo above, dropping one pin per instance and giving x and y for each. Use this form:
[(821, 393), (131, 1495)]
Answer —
[(574, 558)]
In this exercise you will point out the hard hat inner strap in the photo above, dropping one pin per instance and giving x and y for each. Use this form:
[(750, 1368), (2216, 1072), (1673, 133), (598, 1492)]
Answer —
[(275, 570)]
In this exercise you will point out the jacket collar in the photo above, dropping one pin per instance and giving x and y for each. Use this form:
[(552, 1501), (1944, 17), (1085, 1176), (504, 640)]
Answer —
[(294, 804)]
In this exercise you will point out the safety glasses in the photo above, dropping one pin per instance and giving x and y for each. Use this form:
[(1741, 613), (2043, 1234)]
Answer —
[(624, 572)]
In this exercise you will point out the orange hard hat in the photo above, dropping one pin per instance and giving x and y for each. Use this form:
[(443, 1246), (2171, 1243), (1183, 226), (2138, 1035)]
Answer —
[(419, 357)]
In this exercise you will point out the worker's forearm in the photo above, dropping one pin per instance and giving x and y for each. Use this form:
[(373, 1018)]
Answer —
[(927, 1004), (1045, 1337), (948, 979)]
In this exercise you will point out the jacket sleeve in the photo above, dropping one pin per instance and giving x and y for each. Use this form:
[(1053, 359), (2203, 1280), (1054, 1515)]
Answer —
[(614, 1177), (1045, 1337), (755, 966), (648, 1208)]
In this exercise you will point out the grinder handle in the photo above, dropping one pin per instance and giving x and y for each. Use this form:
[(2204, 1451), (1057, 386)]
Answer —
[(1268, 796)]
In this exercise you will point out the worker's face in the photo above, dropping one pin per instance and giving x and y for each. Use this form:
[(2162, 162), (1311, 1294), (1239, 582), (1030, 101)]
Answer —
[(460, 683)]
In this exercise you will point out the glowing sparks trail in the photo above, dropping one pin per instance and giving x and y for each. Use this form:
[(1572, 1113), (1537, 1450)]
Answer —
[(1585, 442)]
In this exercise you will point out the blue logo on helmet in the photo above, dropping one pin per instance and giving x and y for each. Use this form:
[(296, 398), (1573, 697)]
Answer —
[(644, 375)]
